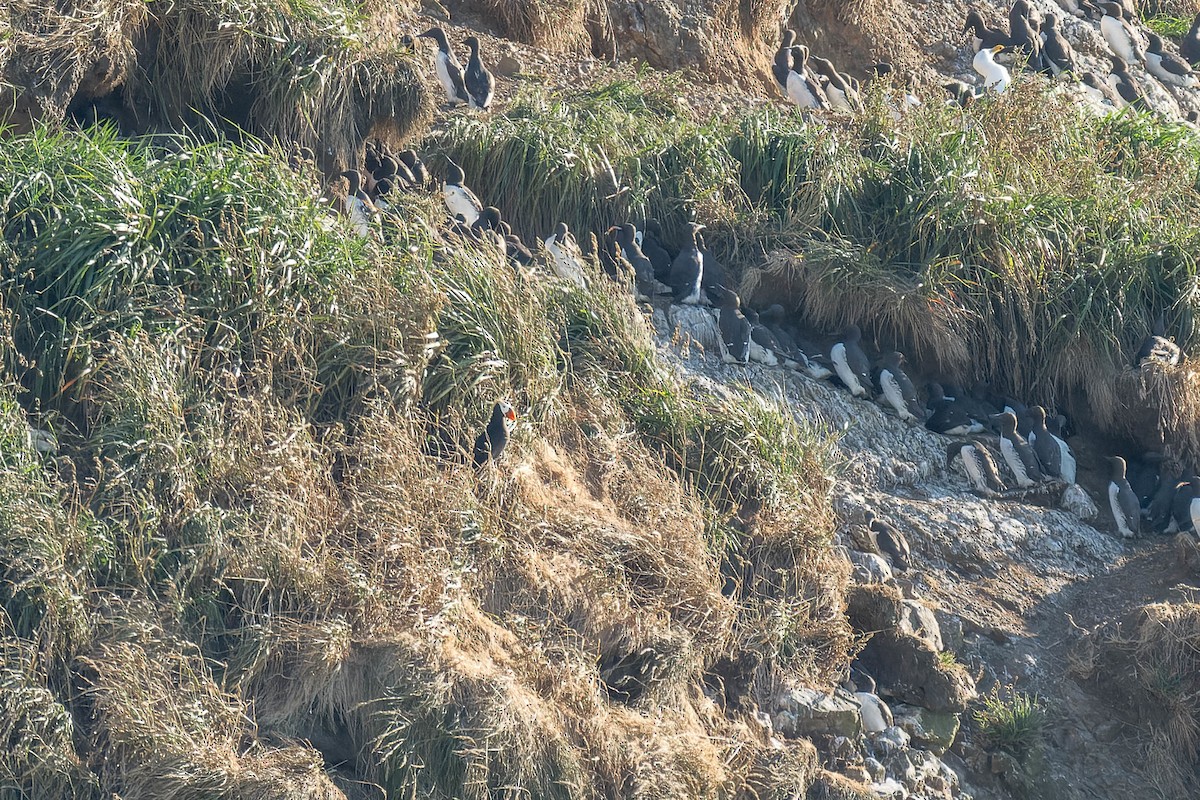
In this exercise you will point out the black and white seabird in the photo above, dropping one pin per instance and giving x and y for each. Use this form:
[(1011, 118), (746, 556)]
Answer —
[(564, 256), (735, 329), (874, 714), (1060, 56), (460, 200), (995, 75), (898, 390), (1122, 39), (1168, 67), (1125, 85), (1017, 453), (1126, 511), (357, 205), (1102, 91), (979, 464), (480, 84), (764, 347), (687, 271), (851, 363), (803, 88), (794, 357), (961, 94), (1158, 513), (516, 250), (782, 64), (1052, 452), (652, 246), (643, 269), (1189, 46), (840, 93), (889, 541), (946, 417), (487, 229), (1023, 37), (984, 37), (449, 71), (416, 166), (491, 443), (1185, 509)]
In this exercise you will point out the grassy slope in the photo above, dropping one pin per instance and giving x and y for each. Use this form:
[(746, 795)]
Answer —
[(243, 526)]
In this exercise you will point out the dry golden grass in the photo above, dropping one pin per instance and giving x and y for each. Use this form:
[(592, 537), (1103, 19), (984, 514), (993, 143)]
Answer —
[(1148, 666), (557, 24)]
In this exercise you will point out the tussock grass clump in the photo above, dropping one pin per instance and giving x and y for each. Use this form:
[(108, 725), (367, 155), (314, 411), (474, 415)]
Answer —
[(1012, 721), (1148, 666), (544, 22)]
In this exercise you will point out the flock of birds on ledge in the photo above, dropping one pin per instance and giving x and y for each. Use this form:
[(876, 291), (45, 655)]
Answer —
[(1143, 493)]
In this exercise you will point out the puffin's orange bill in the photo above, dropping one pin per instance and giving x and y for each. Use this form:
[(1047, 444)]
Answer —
[(510, 415)]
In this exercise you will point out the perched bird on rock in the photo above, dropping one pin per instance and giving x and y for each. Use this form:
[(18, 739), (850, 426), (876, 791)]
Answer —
[(889, 541), (979, 465), (1189, 46), (782, 63), (1060, 56), (1168, 67), (734, 328), (947, 417), (898, 390), (1052, 452), (983, 36), (1126, 86), (1122, 39), (803, 88), (851, 363), (687, 271), (1016, 451)]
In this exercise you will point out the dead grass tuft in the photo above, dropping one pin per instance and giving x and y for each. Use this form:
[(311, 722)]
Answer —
[(1149, 665), (558, 24)]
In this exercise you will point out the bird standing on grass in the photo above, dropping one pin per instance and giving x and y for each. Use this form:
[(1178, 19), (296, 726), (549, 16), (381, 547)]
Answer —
[(564, 256), (357, 205), (490, 444), (480, 84), (449, 71)]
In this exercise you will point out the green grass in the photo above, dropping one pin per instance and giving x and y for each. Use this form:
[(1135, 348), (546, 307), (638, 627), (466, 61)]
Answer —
[(1174, 27), (1012, 721)]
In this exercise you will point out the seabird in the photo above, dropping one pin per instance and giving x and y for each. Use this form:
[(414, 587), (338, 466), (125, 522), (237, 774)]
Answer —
[(1185, 508), (794, 357), (357, 205), (898, 390), (802, 88), (487, 230), (1052, 452), (764, 347), (651, 245), (984, 36), (734, 328), (961, 94), (1016, 451), (564, 256), (1123, 502), (782, 64), (1189, 46), (838, 90), (979, 464), (491, 443), (1023, 37), (1059, 54), (1102, 91), (687, 271), (889, 541), (995, 76), (946, 417), (851, 363), (643, 269), (1122, 39), (517, 252), (449, 71), (1168, 67), (1158, 512), (874, 714), (460, 200), (410, 159), (479, 83), (1125, 85)]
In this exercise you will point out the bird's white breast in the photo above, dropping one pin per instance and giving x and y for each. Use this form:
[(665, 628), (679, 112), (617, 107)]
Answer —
[(842, 367)]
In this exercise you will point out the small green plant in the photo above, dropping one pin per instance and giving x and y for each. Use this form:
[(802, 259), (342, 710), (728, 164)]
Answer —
[(947, 659), (1175, 27), (1012, 721)]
